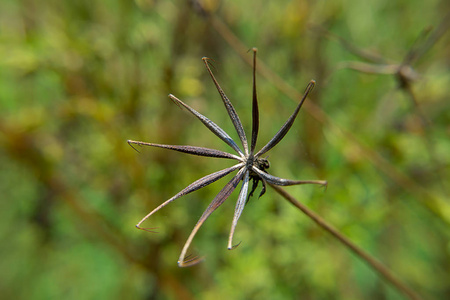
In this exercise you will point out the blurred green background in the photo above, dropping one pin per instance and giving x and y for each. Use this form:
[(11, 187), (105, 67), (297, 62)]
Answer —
[(80, 78)]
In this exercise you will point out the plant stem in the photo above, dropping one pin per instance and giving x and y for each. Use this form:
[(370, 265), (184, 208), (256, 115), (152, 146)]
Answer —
[(369, 260)]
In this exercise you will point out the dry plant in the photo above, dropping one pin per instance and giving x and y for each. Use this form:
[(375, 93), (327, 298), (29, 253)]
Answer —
[(251, 166)]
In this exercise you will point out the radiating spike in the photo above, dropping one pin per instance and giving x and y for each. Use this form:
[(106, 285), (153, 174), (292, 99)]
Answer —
[(240, 204), (213, 127), (230, 109), (285, 128), (200, 151), (198, 184), (285, 182), (255, 110), (218, 200)]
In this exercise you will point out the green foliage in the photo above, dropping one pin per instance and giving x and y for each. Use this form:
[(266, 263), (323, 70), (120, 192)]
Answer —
[(79, 78)]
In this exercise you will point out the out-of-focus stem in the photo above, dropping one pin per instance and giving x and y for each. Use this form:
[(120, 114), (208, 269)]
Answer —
[(374, 264)]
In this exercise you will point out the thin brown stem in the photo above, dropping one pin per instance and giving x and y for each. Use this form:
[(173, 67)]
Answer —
[(374, 264)]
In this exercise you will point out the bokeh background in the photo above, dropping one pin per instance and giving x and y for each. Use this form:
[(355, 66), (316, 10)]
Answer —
[(80, 78)]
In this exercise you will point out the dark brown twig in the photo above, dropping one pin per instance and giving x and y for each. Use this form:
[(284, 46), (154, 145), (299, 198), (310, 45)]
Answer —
[(367, 258)]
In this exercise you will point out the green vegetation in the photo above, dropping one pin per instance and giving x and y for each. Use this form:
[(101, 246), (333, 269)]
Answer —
[(80, 78)]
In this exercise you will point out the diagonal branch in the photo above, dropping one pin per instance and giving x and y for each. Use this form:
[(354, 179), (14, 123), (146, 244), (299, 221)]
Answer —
[(200, 151), (230, 109), (374, 264)]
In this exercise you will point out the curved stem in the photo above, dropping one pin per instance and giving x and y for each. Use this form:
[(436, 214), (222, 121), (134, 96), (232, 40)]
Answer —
[(374, 264)]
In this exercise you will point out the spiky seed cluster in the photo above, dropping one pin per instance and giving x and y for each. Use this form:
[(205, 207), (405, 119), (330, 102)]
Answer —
[(250, 164)]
